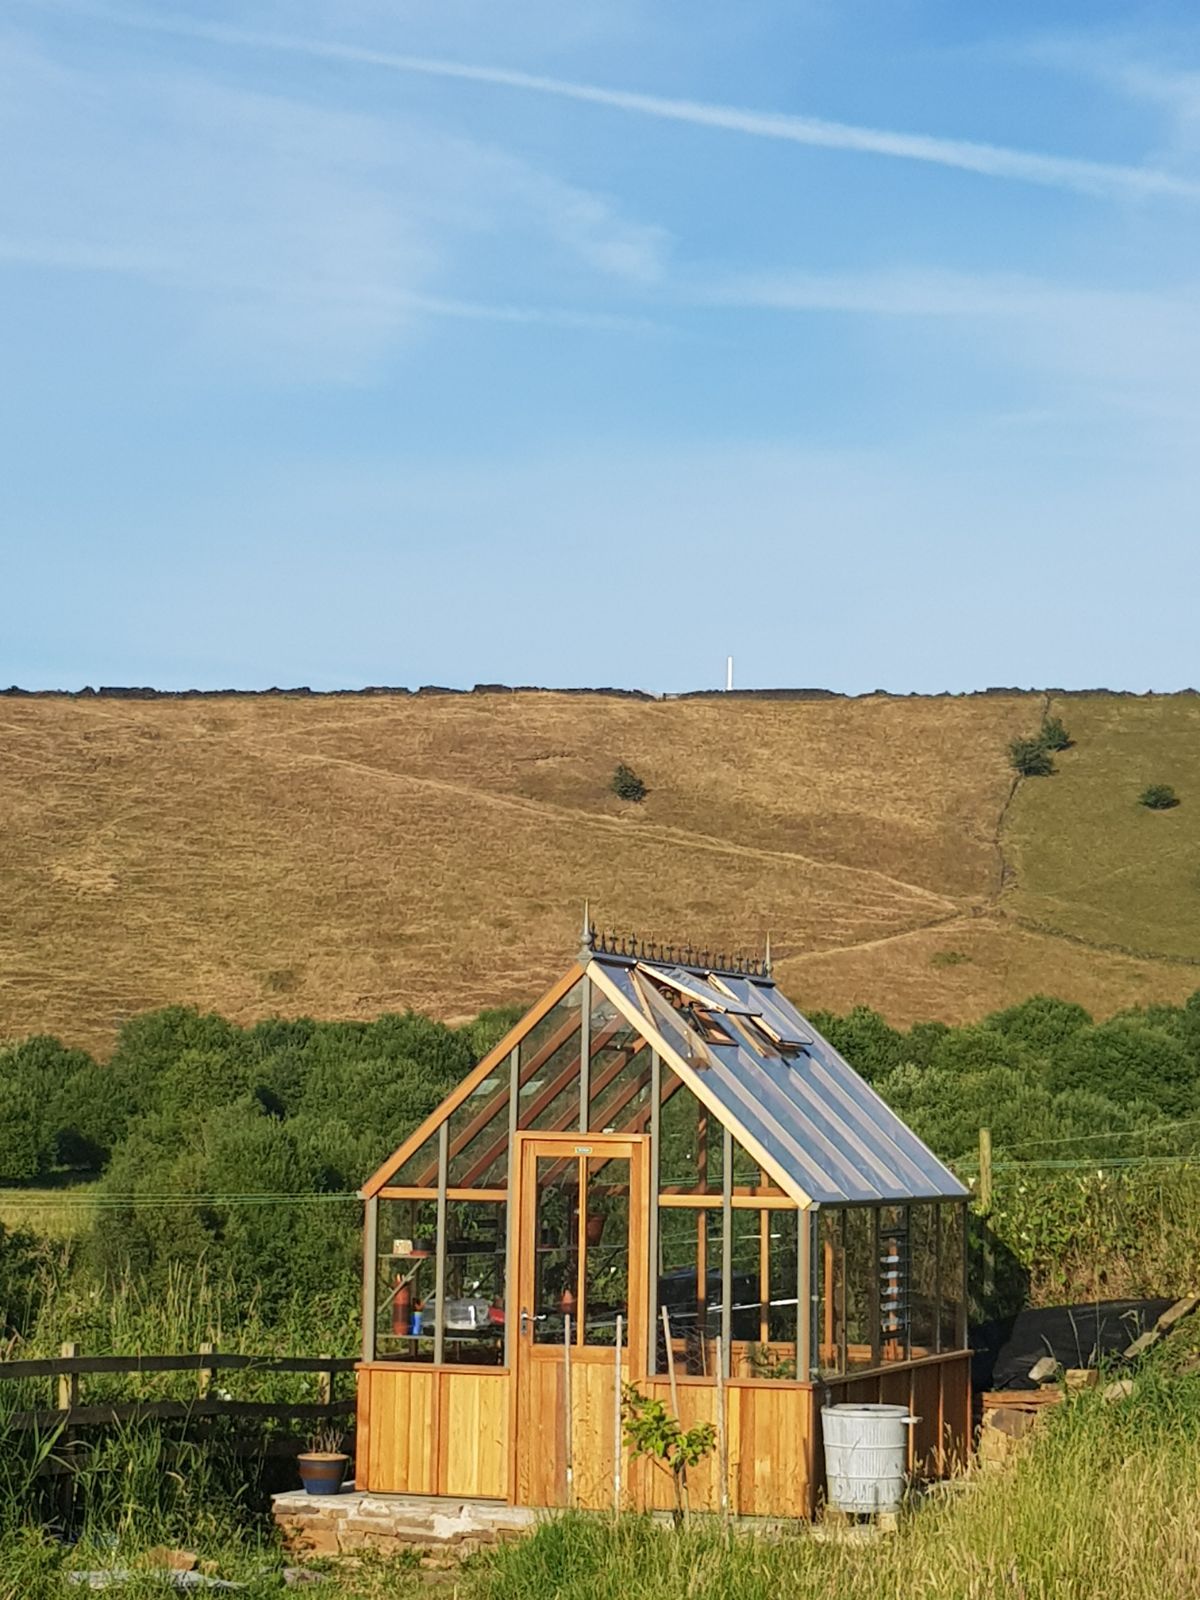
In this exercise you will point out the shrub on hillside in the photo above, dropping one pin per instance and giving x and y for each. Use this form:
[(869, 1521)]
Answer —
[(1053, 735), (1158, 797), (627, 785), (1030, 758)]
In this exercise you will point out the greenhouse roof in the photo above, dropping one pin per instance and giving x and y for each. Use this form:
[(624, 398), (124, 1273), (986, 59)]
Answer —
[(818, 1131), (782, 1089)]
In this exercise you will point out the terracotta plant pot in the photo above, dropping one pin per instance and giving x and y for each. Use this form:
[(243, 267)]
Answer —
[(594, 1227), (322, 1471)]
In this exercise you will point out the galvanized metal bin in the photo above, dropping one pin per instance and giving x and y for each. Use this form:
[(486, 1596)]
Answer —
[(866, 1456)]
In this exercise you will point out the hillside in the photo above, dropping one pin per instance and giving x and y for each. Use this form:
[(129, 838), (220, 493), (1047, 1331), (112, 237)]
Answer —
[(344, 855)]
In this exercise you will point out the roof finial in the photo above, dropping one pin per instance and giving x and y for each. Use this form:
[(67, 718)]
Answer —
[(587, 936), (767, 958)]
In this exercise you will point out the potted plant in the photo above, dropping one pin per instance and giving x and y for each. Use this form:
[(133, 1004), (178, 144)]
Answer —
[(323, 1465)]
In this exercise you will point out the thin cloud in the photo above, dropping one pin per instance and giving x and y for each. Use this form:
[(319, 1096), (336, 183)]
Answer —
[(988, 160)]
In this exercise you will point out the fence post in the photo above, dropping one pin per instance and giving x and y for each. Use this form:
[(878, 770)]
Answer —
[(68, 1382), (985, 1206), (985, 1170), (204, 1377), (68, 1399), (325, 1381)]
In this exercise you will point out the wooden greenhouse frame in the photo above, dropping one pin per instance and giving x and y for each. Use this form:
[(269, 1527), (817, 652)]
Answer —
[(662, 1175)]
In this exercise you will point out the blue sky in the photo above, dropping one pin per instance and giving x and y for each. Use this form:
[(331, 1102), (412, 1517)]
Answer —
[(445, 342)]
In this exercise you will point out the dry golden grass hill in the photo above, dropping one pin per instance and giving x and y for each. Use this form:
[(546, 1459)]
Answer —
[(345, 855)]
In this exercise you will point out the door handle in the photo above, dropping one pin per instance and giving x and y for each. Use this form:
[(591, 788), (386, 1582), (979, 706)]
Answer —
[(524, 1322)]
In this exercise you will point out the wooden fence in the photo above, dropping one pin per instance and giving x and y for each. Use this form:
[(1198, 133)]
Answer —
[(70, 1411)]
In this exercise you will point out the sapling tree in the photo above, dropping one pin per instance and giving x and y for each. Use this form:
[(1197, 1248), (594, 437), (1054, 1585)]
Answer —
[(652, 1431)]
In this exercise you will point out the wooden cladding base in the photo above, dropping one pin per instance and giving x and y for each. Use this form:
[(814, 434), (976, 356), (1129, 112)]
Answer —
[(433, 1430), (446, 1432)]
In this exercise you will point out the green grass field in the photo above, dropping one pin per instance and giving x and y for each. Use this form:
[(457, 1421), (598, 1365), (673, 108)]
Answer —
[(1089, 861), (62, 1211)]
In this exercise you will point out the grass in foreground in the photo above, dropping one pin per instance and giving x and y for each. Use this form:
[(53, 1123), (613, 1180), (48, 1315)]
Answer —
[(1104, 1504)]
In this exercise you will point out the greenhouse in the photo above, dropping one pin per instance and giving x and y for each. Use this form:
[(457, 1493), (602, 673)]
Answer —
[(663, 1176)]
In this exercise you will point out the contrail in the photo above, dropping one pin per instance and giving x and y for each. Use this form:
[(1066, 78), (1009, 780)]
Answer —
[(994, 161)]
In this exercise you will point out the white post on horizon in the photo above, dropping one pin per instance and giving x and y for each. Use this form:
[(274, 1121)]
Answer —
[(728, 673)]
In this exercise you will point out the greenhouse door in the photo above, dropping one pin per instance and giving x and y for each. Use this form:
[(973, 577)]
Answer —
[(581, 1241)]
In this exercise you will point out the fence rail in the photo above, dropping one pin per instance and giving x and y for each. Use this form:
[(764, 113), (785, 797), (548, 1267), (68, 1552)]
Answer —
[(201, 1361), (70, 1367)]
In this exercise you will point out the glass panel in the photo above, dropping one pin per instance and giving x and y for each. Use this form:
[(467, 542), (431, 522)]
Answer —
[(922, 1279), (951, 1275), (831, 1287), (405, 1267), (746, 1171), (556, 1260), (475, 1266), (894, 1274), (420, 1171), (748, 1319), (555, 1109), (784, 1266), (682, 1153), (606, 1252), (549, 1051), (689, 1276), (862, 1285), (620, 1071), (479, 1136)]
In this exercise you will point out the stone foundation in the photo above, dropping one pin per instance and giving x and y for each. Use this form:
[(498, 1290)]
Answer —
[(346, 1523)]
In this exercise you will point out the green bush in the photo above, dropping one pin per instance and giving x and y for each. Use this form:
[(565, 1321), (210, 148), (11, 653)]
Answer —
[(1053, 735), (1030, 758), (1158, 797), (627, 785)]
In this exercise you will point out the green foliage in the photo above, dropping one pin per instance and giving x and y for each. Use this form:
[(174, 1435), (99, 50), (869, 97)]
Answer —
[(1095, 1232), (193, 1114), (652, 1431), (627, 785), (35, 1080), (1158, 797), (1030, 758), (1053, 735), (1130, 1061), (1033, 758), (1041, 1023), (19, 1285)]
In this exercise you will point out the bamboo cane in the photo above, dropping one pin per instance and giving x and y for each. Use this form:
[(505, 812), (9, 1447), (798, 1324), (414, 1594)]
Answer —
[(568, 1423), (722, 1431), (617, 1424)]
